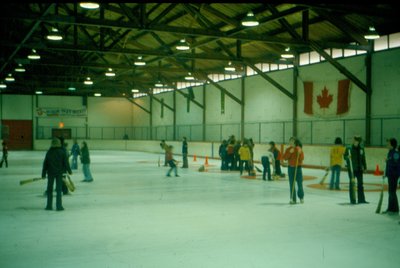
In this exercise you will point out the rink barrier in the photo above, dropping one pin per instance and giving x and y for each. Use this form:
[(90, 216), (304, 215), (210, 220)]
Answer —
[(315, 156)]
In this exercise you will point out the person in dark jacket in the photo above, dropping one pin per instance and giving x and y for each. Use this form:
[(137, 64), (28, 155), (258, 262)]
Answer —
[(75, 152), (185, 153), (85, 160), (356, 154), (5, 154), (392, 173), (54, 165)]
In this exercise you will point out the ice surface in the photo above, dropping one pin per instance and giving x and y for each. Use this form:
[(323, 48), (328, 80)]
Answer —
[(132, 215)]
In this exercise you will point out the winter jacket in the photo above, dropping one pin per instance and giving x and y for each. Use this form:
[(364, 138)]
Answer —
[(55, 163), (357, 156), (85, 157), (337, 152), (392, 163), (296, 156)]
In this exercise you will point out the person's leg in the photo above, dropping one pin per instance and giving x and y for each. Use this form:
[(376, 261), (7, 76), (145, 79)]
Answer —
[(299, 179), (393, 205), (337, 181), (59, 184), (50, 184), (292, 192), (360, 187)]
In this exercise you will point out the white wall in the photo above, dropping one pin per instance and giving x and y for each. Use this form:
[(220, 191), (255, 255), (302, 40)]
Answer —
[(16, 107)]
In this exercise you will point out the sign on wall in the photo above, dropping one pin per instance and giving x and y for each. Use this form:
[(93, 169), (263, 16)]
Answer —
[(55, 112)]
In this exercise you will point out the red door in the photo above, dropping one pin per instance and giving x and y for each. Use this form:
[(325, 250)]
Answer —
[(19, 134)]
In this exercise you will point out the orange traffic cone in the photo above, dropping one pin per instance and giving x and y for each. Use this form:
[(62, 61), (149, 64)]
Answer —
[(377, 171), (206, 162), (194, 158)]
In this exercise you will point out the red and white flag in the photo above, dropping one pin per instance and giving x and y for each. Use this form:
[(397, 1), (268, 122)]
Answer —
[(327, 99)]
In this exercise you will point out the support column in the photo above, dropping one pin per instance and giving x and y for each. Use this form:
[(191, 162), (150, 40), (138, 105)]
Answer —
[(295, 97), (204, 112), (242, 107), (151, 117), (368, 63)]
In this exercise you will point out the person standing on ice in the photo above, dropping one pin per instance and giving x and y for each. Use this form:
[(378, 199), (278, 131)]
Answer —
[(5, 154), (171, 162), (85, 160), (392, 173), (185, 153), (75, 152), (356, 163), (336, 161), (277, 159), (295, 156), (54, 166), (164, 146)]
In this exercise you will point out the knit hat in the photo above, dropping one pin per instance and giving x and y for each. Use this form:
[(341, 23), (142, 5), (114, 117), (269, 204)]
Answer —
[(55, 143)]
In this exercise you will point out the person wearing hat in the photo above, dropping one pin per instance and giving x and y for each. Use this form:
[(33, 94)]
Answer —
[(54, 165), (358, 165), (392, 172)]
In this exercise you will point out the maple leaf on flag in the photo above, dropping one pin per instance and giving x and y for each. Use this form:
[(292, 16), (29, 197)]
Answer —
[(324, 99)]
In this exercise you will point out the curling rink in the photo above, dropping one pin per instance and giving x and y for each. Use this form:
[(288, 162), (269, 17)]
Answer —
[(132, 215)]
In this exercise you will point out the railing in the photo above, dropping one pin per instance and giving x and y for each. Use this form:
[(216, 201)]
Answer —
[(308, 131)]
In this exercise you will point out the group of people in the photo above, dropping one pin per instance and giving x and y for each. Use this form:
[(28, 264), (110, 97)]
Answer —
[(356, 166), (236, 155), (239, 155), (56, 165)]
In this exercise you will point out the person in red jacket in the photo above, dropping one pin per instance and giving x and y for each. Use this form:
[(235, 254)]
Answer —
[(295, 156)]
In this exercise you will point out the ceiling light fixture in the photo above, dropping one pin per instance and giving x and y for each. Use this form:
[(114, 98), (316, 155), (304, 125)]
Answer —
[(10, 78), (89, 5), (183, 45), (2, 85), (135, 90), (20, 68), (230, 68), (139, 61), (39, 92), (159, 84), (97, 94), (250, 20), (287, 54), (189, 76), (372, 34), (110, 72), (54, 35), (34, 55), (71, 88), (88, 81)]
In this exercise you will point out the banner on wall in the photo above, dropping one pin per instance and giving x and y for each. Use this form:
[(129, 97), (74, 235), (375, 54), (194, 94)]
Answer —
[(327, 99), (56, 112)]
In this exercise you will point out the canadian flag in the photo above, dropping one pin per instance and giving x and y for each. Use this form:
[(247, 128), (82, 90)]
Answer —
[(326, 98)]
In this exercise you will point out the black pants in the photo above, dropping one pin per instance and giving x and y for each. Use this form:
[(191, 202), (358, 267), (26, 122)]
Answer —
[(50, 185), (393, 203), (246, 166), (185, 160), (4, 159), (278, 167), (358, 174), (266, 167)]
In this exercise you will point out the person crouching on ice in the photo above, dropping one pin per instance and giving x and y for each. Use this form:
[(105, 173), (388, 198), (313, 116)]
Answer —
[(295, 156), (171, 161)]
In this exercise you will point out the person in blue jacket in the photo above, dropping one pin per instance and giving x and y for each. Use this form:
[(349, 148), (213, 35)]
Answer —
[(392, 172)]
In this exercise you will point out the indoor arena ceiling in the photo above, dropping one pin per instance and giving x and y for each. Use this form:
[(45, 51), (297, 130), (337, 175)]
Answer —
[(115, 35)]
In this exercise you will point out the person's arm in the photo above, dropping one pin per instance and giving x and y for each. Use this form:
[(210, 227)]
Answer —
[(363, 160)]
